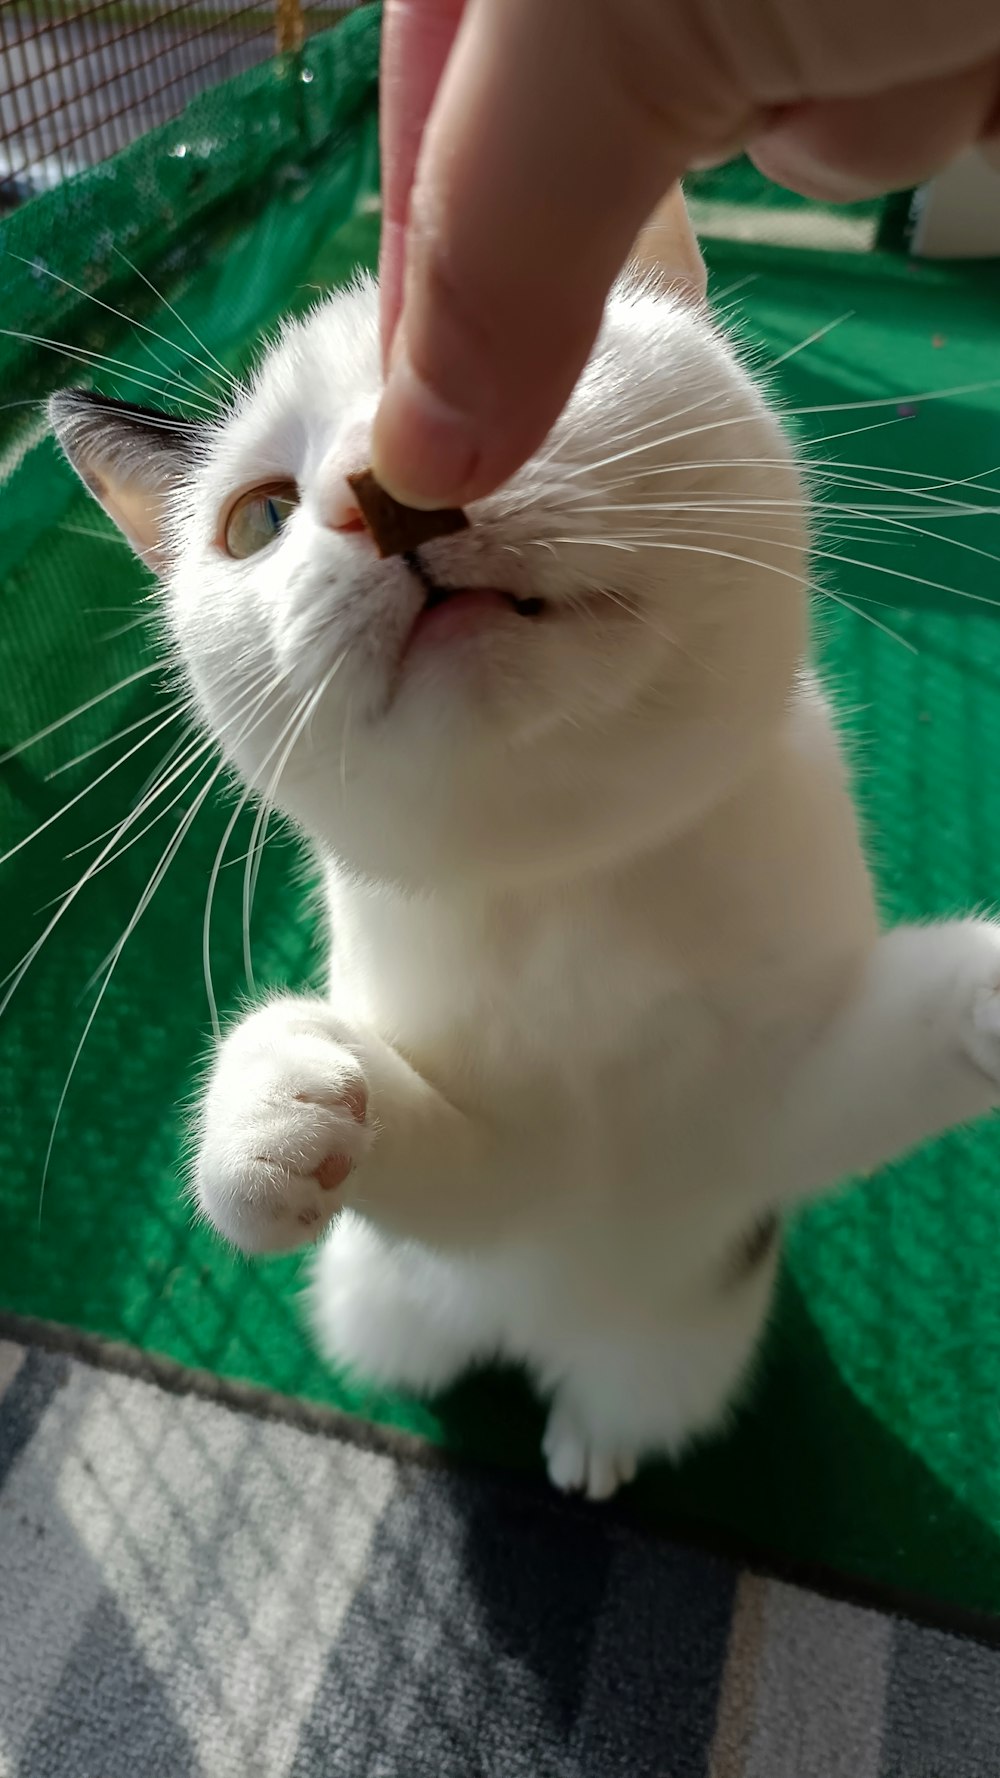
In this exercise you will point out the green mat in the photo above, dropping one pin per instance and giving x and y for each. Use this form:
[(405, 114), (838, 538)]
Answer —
[(872, 1443)]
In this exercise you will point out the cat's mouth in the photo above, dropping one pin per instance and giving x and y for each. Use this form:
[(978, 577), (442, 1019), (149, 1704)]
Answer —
[(441, 595), (436, 594)]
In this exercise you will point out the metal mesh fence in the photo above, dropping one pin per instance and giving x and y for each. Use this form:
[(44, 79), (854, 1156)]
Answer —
[(81, 78)]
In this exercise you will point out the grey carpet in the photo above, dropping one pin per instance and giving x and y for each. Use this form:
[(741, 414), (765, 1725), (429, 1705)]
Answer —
[(194, 1589)]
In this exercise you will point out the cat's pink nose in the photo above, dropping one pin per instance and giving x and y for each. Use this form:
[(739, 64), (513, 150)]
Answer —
[(340, 510)]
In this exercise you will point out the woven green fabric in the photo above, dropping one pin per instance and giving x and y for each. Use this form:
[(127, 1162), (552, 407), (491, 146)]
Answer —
[(873, 1439)]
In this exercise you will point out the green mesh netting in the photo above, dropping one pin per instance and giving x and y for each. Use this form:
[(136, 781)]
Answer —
[(873, 1440)]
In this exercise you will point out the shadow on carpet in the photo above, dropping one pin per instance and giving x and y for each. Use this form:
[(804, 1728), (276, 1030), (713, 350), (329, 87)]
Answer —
[(199, 1581)]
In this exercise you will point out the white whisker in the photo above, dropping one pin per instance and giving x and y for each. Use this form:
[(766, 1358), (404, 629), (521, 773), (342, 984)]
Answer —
[(94, 361), (209, 354), (16, 975), (206, 949), (161, 766), (12, 980), (719, 296), (255, 850), (343, 747), (130, 729), (139, 326), (172, 379), (199, 754), (81, 709), (652, 541), (848, 605), (12, 851), (203, 755), (753, 419), (811, 340), (97, 536), (166, 859)]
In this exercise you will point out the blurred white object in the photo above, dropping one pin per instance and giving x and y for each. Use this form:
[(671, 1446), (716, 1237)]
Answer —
[(957, 215)]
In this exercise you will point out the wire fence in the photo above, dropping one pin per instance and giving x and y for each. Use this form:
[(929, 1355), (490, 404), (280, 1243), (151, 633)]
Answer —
[(79, 79)]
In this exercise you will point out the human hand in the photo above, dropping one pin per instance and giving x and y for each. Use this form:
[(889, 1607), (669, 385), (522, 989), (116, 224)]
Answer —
[(525, 141)]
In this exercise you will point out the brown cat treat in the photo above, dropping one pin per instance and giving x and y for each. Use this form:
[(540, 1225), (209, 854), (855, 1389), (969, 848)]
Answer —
[(397, 529)]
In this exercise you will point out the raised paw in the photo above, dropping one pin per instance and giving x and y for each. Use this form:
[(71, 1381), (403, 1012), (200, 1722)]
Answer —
[(576, 1465), (285, 1119)]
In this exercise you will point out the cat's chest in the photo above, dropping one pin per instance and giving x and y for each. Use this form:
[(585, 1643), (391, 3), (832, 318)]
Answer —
[(509, 988)]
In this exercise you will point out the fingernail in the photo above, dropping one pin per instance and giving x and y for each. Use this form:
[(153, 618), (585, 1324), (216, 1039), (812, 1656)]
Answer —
[(424, 451)]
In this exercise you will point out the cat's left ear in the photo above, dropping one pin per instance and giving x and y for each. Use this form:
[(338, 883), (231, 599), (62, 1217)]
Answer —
[(131, 458), (667, 248)]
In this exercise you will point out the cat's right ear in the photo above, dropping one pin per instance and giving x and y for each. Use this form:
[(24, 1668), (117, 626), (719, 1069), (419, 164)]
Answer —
[(668, 249), (130, 458)]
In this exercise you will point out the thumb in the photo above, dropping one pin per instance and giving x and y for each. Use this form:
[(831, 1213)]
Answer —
[(547, 148)]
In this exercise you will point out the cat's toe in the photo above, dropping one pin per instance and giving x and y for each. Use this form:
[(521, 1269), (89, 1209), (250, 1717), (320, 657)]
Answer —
[(984, 1038), (565, 1453), (576, 1465)]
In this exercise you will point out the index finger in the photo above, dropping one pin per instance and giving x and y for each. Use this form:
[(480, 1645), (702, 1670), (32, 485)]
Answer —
[(536, 170), (417, 36)]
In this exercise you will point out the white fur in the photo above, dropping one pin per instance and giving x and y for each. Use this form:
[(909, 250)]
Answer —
[(604, 955)]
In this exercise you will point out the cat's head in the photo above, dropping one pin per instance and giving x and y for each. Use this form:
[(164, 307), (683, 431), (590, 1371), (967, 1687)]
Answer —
[(609, 643)]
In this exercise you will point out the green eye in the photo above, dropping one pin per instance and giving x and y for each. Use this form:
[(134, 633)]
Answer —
[(257, 518)]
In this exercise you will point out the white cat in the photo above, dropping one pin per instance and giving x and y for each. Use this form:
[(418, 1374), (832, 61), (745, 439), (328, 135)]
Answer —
[(606, 990)]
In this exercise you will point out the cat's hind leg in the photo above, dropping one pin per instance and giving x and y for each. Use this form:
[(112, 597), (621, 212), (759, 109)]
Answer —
[(391, 1311), (913, 1051), (621, 1397)]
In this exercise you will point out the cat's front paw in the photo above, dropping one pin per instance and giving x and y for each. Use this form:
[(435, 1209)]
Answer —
[(285, 1119)]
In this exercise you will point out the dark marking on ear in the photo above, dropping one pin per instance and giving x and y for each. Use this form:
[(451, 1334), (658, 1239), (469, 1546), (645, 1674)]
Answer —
[(80, 417), (80, 399), (129, 457)]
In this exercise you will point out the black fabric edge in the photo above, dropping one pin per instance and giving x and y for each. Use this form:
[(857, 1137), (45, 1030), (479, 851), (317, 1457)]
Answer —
[(98, 1353)]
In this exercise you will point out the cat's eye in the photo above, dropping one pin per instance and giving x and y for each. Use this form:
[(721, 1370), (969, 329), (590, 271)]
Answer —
[(257, 517)]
